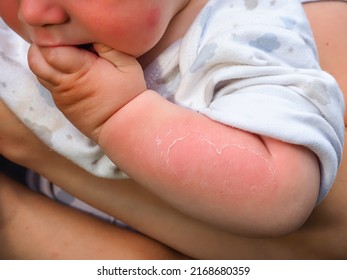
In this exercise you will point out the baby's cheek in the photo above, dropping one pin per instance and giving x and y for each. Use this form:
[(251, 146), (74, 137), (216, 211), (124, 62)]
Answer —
[(153, 18)]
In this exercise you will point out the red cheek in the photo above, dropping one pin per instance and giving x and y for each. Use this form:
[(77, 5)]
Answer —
[(153, 18)]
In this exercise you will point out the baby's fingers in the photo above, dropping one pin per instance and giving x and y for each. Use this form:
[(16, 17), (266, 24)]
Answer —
[(39, 65), (51, 64), (120, 60)]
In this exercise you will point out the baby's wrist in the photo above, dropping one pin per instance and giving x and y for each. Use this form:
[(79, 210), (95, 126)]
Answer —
[(107, 130)]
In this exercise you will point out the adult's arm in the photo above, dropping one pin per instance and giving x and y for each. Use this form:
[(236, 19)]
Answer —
[(34, 227)]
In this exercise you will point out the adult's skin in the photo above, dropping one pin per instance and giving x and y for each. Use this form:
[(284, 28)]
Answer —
[(54, 232)]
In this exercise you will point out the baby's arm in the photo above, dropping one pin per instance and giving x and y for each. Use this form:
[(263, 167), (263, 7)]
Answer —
[(238, 181), (233, 179)]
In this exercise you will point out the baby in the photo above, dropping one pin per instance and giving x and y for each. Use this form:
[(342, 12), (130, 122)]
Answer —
[(230, 104)]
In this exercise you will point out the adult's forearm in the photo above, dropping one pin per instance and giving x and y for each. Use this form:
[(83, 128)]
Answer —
[(33, 227)]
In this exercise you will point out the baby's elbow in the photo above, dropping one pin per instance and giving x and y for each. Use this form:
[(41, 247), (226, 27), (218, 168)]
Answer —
[(277, 210), (284, 203), (290, 200), (289, 213), (280, 212)]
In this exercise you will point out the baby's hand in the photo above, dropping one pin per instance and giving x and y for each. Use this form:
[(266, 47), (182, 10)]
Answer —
[(87, 88)]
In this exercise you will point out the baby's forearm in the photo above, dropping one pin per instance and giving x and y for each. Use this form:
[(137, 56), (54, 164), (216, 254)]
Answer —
[(223, 176)]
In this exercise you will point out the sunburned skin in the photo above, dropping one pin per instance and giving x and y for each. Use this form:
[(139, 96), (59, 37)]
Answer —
[(195, 165), (153, 18), (241, 164)]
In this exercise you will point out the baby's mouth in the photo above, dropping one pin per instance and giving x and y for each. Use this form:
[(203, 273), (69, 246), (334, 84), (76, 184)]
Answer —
[(88, 47)]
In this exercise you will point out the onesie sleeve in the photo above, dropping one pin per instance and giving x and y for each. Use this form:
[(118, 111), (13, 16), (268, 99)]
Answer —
[(260, 73)]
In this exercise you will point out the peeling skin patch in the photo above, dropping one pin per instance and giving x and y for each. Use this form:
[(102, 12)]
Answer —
[(228, 168), (171, 147), (158, 141)]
